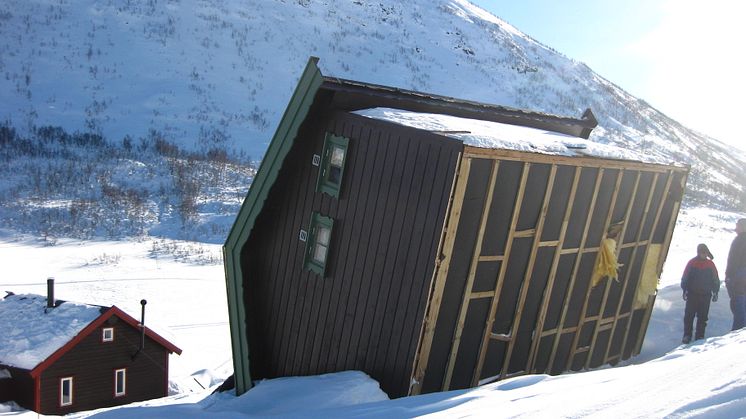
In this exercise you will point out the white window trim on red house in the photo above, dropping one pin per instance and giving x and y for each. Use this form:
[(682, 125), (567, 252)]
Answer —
[(122, 372), (110, 337), (66, 399)]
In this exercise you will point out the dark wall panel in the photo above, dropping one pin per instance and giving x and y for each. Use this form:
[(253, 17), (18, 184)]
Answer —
[(562, 354), (581, 208), (501, 213), (598, 225), (525, 334), (616, 342), (563, 181), (536, 186), (485, 278), (634, 221), (543, 354), (471, 341), (582, 282), (514, 280), (366, 312), (559, 290), (494, 357)]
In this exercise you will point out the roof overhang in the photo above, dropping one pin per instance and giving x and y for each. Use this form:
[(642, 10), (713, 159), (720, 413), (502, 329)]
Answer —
[(351, 95)]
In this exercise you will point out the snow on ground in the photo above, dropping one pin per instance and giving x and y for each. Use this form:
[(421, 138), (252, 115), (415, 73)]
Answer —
[(187, 301)]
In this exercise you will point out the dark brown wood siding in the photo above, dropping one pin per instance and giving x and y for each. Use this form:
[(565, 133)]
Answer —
[(366, 313), (18, 388), (92, 363), (528, 229)]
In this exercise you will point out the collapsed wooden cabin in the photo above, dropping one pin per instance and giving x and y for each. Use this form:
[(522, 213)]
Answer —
[(371, 241)]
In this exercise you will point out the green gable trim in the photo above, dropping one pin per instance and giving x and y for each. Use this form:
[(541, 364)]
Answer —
[(298, 107)]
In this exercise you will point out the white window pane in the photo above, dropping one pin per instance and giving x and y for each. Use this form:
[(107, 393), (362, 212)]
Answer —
[(319, 253), (338, 156), (322, 236)]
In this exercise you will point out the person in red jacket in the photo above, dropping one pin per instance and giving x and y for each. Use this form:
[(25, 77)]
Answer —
[(701, 284)]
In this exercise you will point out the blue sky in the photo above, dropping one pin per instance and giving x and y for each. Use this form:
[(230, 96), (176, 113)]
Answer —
[(685, 57)]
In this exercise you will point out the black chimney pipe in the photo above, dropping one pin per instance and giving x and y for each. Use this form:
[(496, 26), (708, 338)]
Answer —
[(50, 292), (142, 329), (142, 324)]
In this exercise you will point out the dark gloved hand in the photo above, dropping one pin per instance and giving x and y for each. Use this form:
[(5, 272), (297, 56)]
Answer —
[(684, 296), (714, 297)]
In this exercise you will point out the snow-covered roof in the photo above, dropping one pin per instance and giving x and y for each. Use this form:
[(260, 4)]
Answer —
[(495, 135), (30, 333)]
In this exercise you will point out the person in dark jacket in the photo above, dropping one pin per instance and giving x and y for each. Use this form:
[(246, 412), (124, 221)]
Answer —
[(701, 284), (735, 276)]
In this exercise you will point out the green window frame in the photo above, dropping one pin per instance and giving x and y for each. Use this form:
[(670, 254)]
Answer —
[(333, 161), (319, 239)]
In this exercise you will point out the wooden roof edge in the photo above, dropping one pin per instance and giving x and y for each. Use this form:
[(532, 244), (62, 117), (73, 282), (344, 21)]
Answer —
[(353, 95)]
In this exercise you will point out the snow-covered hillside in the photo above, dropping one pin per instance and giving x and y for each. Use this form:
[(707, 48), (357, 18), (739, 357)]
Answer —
[(219, 74)]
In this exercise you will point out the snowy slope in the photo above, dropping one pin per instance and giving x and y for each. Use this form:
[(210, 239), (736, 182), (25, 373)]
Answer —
[(218, 73)]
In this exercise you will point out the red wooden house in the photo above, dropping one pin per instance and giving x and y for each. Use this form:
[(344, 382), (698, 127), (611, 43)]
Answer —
[(60, 357)]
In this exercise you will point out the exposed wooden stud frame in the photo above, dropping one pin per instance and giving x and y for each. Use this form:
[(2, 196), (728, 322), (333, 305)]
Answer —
[(600, 325), (573, 276), (553, 272), (503, 268), (445, 250), (472, 274), (510, 338), (644, 256), (527, 276), (584, 310), (651, 299), (625, 282)]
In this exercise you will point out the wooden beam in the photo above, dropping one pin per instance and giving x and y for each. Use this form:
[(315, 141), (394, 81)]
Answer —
[(573, 276), (547, 295), (470, 279), (440, 273), (525, 233), (483, 294), (491, 258), (503, 269), (518, 317)]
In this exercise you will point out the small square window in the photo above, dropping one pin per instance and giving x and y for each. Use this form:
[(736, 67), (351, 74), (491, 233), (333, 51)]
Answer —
[(332, 165), (120, 385), (107, 335), (66, 391), (319, 239)]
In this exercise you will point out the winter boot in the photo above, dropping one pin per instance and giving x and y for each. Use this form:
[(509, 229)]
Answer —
[(686, 339)]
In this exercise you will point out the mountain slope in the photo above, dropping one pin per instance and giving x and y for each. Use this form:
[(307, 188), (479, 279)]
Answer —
[(219, 74)]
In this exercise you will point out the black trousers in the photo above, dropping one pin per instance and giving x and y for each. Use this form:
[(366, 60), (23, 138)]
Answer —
[(697, 305)]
